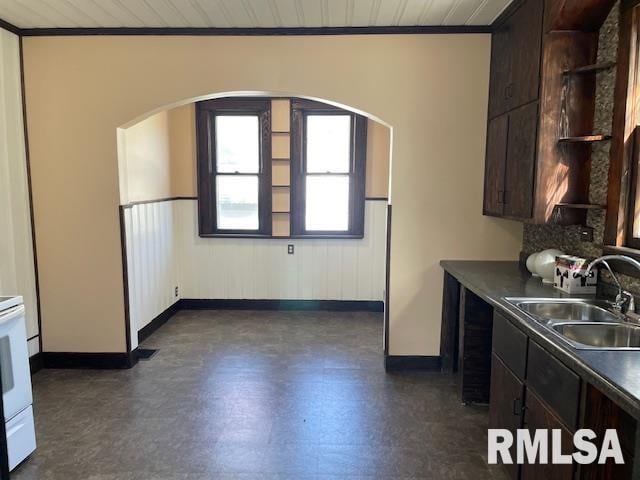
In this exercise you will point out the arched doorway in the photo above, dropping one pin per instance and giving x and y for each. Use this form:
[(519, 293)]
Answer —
[(157, 169)]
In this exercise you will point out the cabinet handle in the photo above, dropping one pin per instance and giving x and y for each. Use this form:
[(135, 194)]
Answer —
[(508, 92), (501, 197), (517, 407)]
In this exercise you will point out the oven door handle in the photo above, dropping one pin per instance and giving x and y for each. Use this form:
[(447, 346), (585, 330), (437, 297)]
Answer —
[(11, 314)]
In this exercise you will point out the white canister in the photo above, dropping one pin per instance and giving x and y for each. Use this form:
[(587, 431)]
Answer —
[(545, 264)]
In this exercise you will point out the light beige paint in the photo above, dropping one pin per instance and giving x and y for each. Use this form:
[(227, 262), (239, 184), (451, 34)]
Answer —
[(147, 161), (280, 146), (280, 200), (280, 114), (182, 147), (378, 151), (432, 89), (280, 225)]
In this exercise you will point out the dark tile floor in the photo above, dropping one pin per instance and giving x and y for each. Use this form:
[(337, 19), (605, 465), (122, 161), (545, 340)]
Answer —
[(256, 395)]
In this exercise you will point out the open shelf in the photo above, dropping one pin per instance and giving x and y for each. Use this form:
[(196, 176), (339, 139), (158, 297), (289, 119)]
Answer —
[(585, 139), (596, 67), (280, 186), (581, 206)]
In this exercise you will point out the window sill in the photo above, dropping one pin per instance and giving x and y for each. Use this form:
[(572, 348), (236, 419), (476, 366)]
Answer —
[(274, 237)]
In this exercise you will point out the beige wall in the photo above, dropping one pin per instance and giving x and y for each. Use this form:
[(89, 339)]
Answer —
[(378, 151), (432, 89), (182, 144), (146, 166)]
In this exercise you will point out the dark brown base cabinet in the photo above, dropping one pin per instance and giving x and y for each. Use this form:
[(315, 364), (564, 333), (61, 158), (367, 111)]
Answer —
[(533, 103), (532, 389), (507, 400), (537, 416)]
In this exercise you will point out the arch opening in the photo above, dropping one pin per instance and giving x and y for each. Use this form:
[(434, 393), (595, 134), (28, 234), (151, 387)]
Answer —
[(158, 191)]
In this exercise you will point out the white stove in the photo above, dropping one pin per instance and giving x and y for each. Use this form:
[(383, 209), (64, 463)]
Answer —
[(17, 397)]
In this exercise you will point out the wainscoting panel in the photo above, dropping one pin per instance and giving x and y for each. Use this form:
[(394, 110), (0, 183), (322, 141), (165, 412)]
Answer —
[(152, 261), (332, 269), (164, 251)]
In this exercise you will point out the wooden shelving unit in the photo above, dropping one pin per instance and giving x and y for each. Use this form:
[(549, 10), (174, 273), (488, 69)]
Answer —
[(594, 68), (585, 139)]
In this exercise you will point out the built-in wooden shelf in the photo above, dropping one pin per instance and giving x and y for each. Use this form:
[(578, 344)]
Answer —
[(596, 67), (585, 139), (275, 132), (281, 211), (582, 206), (274, 159), (280, 186)]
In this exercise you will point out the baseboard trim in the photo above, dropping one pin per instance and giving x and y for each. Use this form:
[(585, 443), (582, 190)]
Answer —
[(157, 322), (88, 360), (250, 304), (36, 363), (396, 363)]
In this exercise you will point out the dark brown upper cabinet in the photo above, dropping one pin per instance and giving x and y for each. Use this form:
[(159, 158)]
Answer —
[(515, 77), (540, 126), (521, 157), (497, 132)]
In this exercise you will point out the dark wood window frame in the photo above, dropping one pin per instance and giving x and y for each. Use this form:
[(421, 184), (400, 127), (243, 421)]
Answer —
[(300, 109), (205, 141)]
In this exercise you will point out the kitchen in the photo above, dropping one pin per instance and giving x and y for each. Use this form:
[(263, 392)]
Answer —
[(282, 344)]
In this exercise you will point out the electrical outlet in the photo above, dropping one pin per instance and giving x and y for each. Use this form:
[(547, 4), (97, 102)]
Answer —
[(290, 249), (177, 291), (586, 234)]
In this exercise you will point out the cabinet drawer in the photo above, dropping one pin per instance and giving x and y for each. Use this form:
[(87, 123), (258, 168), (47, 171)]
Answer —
[(510, 344), (554, 383)]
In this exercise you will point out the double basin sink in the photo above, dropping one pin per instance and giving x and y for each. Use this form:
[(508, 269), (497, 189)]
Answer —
[(582, 323)]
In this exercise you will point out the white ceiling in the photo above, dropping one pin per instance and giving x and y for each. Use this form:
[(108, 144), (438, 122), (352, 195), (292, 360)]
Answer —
[(247, 13)]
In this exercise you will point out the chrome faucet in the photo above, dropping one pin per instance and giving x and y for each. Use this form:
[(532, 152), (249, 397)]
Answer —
[(623, 297)]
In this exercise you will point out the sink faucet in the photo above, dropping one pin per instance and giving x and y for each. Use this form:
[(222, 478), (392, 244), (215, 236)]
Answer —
[(623, 296)]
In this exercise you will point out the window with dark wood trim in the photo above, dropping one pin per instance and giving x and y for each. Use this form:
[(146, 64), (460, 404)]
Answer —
[(327, 178), (234, 166)]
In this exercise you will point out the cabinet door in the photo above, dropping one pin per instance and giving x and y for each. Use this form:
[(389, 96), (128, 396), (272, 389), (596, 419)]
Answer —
[(521, 159), (500, 77), (537, 415), (505, 405), (494, 168), (525, 44)]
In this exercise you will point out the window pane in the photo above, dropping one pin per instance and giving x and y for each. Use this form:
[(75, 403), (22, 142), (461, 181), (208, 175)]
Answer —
[(237, 202), (237, 143), (328, 143), (327, 203)]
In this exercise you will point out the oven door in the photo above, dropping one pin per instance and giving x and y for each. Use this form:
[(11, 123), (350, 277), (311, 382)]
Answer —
[(14, 362)]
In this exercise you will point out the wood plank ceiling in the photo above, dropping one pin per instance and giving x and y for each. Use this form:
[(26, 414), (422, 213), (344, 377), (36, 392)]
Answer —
[(248, 13)]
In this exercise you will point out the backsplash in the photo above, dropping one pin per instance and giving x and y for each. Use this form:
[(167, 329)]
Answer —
[(567, 238)]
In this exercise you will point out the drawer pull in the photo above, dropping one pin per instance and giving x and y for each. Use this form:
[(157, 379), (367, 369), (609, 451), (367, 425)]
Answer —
[(517, 406)]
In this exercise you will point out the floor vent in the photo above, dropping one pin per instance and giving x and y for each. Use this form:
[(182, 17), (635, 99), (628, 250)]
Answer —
[(145, 353)]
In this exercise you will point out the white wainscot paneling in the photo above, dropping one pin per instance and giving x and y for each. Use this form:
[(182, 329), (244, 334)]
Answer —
[(33, 346), (219, 268), (152, 261)]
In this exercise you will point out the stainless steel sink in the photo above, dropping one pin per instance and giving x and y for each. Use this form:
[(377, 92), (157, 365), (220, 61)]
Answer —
[(600, 335), (584, 324), (568, 309)]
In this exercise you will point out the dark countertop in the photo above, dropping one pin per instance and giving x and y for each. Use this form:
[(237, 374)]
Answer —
[(615, 373)]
